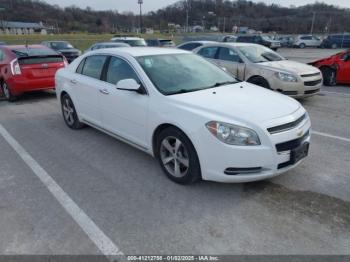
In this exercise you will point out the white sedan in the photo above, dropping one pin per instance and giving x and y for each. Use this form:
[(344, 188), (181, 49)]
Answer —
[(196, 119)]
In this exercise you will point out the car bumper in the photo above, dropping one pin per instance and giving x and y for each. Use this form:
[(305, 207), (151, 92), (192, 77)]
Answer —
[(266, 161), (303, 88), (22, 85)]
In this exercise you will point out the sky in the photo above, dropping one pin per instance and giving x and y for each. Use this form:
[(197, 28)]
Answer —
[(150, 5)]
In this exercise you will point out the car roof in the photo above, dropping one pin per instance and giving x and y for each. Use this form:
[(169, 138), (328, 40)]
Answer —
[(232, 44), (199, 41), (127, 38), (141, 51), (111, 43)]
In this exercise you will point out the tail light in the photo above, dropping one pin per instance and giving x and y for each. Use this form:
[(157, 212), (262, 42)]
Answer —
[(65, 62), (15, 68)]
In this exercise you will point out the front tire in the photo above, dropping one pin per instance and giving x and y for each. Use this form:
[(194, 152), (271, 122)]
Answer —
[(329, 76), (69, 113), (6, 91), (177, 156), (259, 81), (302, 46)]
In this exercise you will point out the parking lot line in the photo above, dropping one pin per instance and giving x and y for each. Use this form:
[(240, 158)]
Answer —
[(331, 136), (97, 236)]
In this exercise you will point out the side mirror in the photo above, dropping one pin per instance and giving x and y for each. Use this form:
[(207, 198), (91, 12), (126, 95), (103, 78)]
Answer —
[(346, 58), (129, 85)]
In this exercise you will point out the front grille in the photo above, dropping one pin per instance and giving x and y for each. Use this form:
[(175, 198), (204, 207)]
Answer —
[(309, 92), (313, 83), (237, 171), (285, 127), (290, 145), (311, 75)]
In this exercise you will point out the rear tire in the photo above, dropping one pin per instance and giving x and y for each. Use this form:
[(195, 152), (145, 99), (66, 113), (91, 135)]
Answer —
[(334, 46), (259, 81), (6, 91), (329, 76), (177, 156), (69, 113), (302, 46)]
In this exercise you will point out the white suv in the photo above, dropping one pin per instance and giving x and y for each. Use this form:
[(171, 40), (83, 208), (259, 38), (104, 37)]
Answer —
[(196, 119), (303, 41), (130, 40)]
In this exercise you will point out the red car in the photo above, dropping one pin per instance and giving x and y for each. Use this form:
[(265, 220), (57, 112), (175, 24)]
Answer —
[(28, 68), (335, 69)]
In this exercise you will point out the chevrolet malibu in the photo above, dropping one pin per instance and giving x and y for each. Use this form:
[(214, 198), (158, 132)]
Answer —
[(262, 66), (196, 119)]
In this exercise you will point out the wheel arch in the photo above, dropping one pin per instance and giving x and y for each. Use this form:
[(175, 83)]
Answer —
[(251, 78)]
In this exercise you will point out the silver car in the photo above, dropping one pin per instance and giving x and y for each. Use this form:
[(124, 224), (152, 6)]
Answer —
[(262, 66)]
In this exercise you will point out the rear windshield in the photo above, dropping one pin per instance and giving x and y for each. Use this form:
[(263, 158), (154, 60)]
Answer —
[(28, 56), (27, 52)]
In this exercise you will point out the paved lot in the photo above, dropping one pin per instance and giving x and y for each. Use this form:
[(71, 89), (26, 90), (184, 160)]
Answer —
[(126, 196)]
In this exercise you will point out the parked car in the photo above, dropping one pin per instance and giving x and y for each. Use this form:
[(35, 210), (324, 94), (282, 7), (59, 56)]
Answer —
[(104, 45), (261, 40), (286, 41), (336, 41), (229, 38), (132, 40), (2, 43), (65, 48), (160, 42), (195, 118), (189, 46), (262, 66), (28, 68), (303, 41), (335, 69)]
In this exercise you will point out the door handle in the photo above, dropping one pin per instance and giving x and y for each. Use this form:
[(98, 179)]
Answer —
[(74, 81), (104, 91)]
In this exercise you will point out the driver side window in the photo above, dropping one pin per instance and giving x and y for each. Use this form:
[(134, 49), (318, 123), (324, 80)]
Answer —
[(229, 55), (118, 69)]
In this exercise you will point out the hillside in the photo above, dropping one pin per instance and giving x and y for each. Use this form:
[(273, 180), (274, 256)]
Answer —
[(201, 12)]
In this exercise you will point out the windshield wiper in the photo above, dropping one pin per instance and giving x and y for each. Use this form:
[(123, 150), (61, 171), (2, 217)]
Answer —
[(183, 91), (222, 84)]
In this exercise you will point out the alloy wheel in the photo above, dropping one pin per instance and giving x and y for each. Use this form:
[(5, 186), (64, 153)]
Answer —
[(6, 91), (68, 111), (174, 156)]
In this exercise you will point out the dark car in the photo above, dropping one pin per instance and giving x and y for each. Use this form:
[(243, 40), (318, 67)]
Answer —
[(2, 43), (64, 48), (261, 40), (336, 41), (103, 45), (160, 42)]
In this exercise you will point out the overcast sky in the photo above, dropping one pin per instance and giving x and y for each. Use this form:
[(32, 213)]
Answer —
[(131, 5)]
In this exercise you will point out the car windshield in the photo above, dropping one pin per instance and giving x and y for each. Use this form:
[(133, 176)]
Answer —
[(259, 54), (266, 37), (182, 73), (60, 45)]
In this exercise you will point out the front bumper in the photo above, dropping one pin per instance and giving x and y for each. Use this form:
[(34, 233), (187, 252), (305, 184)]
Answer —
[(305, 87), (216, 157)]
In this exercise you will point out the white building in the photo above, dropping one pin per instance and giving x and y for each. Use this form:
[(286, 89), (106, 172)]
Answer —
[(21, 28)]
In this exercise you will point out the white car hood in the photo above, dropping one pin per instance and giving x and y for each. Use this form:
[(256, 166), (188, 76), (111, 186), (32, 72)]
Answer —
[(242, 101), (290, 66)]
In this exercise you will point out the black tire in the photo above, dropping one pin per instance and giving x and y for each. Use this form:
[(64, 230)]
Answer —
[(71, 119), (334, 46), (259, 81), (329, 76), (192, 172), (6, 91), (302, 46)]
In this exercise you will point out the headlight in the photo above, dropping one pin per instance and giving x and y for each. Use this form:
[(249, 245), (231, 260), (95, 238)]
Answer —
[(286, 77), (233, 135)]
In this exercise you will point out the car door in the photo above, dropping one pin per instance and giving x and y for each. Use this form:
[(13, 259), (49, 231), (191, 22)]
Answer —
[(343, 73), (124, 113), (87, 88), (229, 59)]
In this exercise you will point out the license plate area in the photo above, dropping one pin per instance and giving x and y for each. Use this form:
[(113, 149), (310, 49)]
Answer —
[(299, 153)]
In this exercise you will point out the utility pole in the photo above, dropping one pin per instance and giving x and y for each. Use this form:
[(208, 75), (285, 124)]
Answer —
[(140, 2), (313, 23), (187, 14), (224, 25)]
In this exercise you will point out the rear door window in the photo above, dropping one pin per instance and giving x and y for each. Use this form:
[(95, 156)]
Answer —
[(190, 46), (93, 66)]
